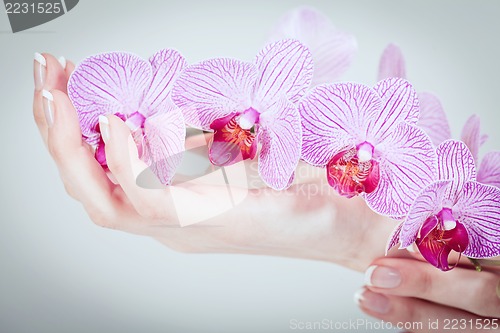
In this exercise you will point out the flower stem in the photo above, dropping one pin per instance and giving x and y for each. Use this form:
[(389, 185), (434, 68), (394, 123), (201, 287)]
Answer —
[(478, 263)]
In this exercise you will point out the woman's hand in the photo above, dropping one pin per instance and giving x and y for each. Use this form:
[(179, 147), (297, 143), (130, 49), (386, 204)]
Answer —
[(306, 221), (414, 292)]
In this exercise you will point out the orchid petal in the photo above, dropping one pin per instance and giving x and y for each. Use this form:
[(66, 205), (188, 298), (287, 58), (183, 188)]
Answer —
[(167, 64), (489, 169), (407, 164), (479, 210), (105, 84), (433, 118), (334, 117), (471, 135), (332, 50), (455, 163), (427, 204), (164, 136), (213, 89), (393, 238), (399, 103), (281, 137), (392, 63), (284, 67)]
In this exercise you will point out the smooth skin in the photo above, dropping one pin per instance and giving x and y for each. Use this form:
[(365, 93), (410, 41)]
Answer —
[(306, 221)]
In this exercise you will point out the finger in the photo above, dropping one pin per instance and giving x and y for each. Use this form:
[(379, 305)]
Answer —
[(123, 161), (82, 175), (462, 288), (416, 315), (70, 67), (194, 201), (48, 75)]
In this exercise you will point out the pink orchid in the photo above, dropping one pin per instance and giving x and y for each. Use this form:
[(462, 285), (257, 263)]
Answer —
[(368, 143), (453, 213), (137, 91), (434, 122), (332, 50), (432, 116), (249, 103)]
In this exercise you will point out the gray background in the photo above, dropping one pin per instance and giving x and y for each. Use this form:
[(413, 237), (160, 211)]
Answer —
[(60, 273)]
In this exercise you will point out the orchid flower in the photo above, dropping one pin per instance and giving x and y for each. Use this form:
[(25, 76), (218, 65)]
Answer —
[(453, 213), (332, 50), (434, 122), (246, 103), (137, 91), (432, 116), (368, 143)]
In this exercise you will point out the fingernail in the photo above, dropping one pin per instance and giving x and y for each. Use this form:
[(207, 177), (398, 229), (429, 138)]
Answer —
[(372, 301), (48, 107), (39, 71), (104, 128), (62, 61), (382, 277)]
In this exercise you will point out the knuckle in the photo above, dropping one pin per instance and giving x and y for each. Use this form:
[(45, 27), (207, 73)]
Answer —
[(426, 284), (483, 300), (148, 211), (102, 219)]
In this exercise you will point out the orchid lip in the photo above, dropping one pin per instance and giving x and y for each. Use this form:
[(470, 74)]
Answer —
[(439, 235), (350, 176), (231, 143)]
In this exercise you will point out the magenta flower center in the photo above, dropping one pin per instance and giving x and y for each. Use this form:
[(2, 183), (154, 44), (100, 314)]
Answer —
[(234, 138), (353, 171), (440, 234)]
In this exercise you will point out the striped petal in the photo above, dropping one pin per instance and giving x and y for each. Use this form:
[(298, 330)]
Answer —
[(392, 63), (167, 64), (332, 50), (213, 89), (455, 163), (284, 67), (164, 135), (281, 137), (428, 203), (479, 210), (399, 103), (407, 165), (107, 83), (489, 169), (334, 117), (433, 118), (394, 238), (471, 135)]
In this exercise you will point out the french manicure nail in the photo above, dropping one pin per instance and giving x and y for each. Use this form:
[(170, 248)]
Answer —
[(372, 301), (62, 61), (382, 277), (39, 71), (48, 107), (104, 128)]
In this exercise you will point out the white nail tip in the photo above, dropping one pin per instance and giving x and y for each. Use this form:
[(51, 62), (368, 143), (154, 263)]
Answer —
[(41, 59), (103, 119), (368, 275), (47, 95), (358, 296), (62, 61)]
